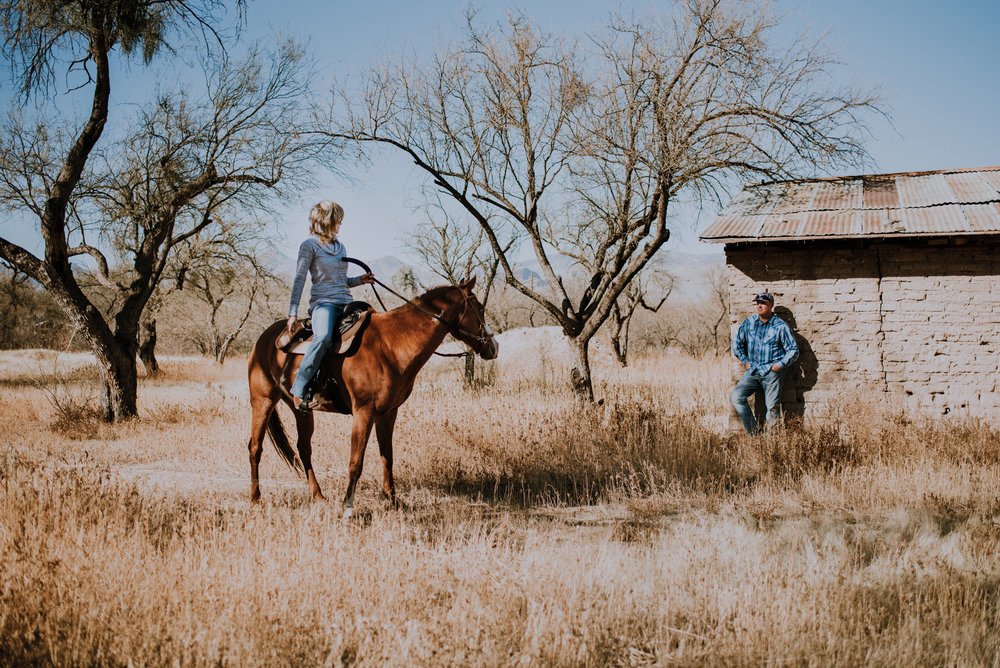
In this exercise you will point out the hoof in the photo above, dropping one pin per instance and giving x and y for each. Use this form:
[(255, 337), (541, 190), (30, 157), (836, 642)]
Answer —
[(348, 513)]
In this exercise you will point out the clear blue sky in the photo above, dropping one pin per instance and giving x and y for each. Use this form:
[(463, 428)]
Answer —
[(936, 64)]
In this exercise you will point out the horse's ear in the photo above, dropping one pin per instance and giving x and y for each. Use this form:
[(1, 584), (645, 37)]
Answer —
[(468, 283)]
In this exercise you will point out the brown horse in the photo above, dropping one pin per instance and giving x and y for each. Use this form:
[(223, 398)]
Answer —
[(374, 381)]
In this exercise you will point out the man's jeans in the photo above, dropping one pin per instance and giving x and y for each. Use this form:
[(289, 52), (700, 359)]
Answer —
[(324, 320), (749, 384)]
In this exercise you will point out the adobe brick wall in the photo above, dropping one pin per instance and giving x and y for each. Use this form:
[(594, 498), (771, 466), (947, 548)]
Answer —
[(917, 319)]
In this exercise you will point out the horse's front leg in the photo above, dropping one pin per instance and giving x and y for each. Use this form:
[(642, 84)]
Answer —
[(304, 425), (383, 432), (361, 430)]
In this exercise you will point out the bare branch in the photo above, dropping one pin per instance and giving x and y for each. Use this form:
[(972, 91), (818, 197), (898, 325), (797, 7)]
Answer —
[(581, 154)]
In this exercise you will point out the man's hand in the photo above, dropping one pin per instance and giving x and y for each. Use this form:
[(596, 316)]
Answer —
[(368, 278), (776, 367), (291, 323), (746, 365)]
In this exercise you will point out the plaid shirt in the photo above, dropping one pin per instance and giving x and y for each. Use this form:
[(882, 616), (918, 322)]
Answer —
[(765, 344)]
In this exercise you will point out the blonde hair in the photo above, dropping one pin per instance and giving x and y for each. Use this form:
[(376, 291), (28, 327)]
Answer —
[(323, 217)]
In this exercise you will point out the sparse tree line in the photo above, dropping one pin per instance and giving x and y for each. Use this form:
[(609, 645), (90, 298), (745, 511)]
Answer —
[(217, 318), (558, 147), (218, 314)]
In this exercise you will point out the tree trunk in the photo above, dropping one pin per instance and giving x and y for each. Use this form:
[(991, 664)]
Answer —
[(620, 348), (619, 338), (222, 350), (118, 371), (147, 349), (116, 362), (120, 387), (470, 369), (582, 383)]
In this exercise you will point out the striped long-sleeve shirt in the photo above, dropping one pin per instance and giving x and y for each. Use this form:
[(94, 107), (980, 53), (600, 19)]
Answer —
[(765, 344)]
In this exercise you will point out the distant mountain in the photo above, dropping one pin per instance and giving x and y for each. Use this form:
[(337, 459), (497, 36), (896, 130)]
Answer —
[(384, 267), (692, 274), (281, 264), (690, 270), (679, 259), (529, 277)]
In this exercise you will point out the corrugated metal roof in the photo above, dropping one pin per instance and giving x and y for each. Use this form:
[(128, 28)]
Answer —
[(959, 201)]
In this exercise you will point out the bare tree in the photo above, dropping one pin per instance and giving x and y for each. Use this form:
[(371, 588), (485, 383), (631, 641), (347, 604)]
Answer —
[(519, 127), (225, 286), (631, 299), (181, 162), (510, 309), (698, 325), (14, 292), (226, 274), (29, 317), (406, 282), (455, 250), (147, 347), (718, 301)]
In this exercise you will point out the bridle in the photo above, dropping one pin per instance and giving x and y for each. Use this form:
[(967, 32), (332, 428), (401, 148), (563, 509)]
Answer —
[(453, 328)]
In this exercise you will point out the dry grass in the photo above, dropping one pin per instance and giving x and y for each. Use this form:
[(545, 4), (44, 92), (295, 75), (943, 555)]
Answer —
[(534, 532)]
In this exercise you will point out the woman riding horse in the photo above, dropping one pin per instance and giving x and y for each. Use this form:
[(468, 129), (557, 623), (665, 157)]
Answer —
[(374, 381), (322, 256)]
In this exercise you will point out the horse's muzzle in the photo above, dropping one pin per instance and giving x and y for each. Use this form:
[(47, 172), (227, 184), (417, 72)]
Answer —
[(490, 350)]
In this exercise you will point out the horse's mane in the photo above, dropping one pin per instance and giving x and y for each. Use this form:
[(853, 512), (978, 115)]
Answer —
[(434, 293)]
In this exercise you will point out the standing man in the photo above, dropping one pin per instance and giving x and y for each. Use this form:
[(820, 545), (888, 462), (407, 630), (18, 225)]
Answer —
[(765, 345)]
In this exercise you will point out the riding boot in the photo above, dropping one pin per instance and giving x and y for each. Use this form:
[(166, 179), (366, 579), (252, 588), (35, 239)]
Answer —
[(306, 405)]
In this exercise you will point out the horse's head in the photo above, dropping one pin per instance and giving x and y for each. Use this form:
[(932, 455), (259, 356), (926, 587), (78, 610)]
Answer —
[(471, 328)]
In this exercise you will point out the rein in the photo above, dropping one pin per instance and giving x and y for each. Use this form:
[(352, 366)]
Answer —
[(436, 316)]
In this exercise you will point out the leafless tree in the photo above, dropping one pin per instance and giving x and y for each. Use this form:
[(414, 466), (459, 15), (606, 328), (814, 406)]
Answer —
[(179, 162), (698, 325), (718, 301), (147, 347), (631, 299), (455, 250), (234, 286), (29, 317), (406, 282), (519, 127), (14, 289), (227, 274)]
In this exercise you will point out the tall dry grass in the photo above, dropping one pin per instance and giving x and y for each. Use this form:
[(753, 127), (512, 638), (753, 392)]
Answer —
[(533, 531)]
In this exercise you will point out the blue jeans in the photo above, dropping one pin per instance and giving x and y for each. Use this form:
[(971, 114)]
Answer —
[(749, 384), (324, 321)]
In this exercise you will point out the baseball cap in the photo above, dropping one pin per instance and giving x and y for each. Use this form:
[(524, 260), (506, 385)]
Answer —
[(764, 297)]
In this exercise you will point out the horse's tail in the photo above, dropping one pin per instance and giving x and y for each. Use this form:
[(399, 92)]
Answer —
[(281, 444)]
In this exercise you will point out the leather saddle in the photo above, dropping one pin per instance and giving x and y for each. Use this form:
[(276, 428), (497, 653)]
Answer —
[(326, 392), (351, 323)]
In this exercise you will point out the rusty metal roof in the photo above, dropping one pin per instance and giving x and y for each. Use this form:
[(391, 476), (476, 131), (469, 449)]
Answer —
[(958, 201)]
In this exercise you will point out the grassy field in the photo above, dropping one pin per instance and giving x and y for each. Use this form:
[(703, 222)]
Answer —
[(532, 532)]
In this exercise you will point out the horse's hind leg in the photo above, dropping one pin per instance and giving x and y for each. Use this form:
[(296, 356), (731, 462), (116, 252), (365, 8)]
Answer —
[(383, 432), (304, 425), (362, 429), (262, 408)]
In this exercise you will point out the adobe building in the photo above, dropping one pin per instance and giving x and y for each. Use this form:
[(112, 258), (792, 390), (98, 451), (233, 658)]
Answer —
[(891, 282)]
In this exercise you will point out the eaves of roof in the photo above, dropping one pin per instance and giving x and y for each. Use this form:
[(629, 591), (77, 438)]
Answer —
[(912, 204)]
